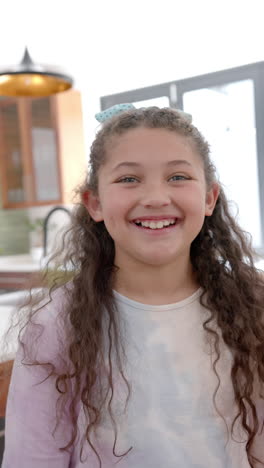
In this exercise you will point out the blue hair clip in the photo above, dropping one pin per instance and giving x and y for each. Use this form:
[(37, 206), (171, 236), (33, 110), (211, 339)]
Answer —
[(119, 108), (111, 111)]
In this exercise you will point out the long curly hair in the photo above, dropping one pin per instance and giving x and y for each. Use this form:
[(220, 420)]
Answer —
[(223, 259)]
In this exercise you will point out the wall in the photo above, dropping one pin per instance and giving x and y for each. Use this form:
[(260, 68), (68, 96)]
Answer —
[(110, 47), (14, 229), (14, 237), (58, 223)]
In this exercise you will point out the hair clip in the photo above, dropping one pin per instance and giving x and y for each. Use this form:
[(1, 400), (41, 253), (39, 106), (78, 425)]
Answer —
[(111, 111), (119, 108)]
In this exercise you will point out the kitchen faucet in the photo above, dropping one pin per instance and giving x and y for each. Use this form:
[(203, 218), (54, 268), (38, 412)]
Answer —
[(45, 225)]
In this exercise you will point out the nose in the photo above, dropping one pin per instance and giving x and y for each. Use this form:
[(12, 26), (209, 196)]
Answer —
[(155, 196)]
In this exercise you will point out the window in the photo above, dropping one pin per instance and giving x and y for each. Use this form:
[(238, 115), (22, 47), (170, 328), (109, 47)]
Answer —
[(228, 108)]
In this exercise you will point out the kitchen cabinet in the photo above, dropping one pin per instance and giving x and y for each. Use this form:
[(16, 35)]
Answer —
[(19, 272), (9, 345), (5, 376), (15, 280), (42, 155)]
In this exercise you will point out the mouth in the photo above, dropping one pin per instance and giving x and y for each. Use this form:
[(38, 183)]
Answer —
[(156, 224)]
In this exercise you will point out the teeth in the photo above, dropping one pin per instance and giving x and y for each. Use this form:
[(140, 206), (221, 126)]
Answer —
[(155, 224)]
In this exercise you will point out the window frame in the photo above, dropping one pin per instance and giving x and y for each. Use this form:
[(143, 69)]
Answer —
[(175, 90)]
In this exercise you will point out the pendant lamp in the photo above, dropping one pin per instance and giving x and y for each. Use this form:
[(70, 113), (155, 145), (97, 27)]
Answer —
[(32, 80)]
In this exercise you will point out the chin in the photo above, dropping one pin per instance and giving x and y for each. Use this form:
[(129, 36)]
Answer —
[(156, 260)]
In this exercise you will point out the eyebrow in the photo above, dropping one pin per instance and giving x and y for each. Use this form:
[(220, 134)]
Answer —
[(176, 162)]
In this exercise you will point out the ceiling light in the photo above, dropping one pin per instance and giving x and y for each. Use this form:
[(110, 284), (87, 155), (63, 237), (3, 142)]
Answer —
[(30, 79)]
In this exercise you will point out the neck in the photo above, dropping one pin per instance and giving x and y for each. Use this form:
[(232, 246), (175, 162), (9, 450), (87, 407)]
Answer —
[(156, 285)]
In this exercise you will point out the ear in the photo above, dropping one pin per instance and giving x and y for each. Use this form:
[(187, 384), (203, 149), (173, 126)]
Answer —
[(211, 199), (92, 203)]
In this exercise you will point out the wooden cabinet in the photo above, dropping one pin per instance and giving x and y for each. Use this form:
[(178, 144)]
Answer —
[(42, 155), (5, 376), (17, 280)]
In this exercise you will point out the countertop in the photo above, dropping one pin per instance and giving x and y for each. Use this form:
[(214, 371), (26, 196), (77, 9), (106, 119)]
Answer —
[(9, 304), (25, 262), (8, 347), (19, 263)]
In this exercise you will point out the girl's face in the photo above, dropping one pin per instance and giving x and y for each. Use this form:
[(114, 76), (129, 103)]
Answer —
[(152, 196)]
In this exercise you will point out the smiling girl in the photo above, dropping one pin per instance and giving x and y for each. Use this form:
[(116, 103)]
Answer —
[(152, 356)]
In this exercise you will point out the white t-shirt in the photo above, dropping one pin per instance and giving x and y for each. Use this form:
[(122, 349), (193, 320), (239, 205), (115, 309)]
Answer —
[(170, 420)]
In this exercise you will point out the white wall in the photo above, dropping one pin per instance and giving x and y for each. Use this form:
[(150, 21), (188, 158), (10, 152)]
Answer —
[(118, 45)]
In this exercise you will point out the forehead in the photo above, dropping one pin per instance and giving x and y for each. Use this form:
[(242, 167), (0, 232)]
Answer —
[(150, 145)]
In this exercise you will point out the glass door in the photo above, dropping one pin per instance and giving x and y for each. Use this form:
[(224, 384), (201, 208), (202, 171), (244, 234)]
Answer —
[(228, 107), (44, 151), (11, 154), (225, 114), (161, 96)]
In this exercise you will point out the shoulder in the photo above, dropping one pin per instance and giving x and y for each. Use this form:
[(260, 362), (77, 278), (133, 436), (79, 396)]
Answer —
[(47, 331), (52, 308)]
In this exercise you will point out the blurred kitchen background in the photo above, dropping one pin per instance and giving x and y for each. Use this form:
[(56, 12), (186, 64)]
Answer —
[(206, 57), (201, 56)]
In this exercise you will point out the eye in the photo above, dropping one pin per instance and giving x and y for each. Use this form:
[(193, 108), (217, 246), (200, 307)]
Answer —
[(127, 180), (179, 177)]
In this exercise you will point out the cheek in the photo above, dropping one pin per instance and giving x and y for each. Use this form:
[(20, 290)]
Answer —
[(113, 205), (193, 201)]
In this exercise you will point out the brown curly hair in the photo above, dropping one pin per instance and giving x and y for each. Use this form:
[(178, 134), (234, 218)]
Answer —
[(223, 259)]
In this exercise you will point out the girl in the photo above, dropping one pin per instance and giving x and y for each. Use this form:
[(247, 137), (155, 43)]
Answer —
[(152, 355)]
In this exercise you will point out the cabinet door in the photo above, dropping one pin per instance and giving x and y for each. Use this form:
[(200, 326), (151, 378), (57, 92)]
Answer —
[(44, 151), (13, 178), (28, 153)]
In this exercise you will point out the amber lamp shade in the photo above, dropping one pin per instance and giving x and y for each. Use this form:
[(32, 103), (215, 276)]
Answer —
[(31, 80)]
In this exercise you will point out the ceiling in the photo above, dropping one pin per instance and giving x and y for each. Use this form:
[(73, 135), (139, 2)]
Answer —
[(118, 45), (111, 46)]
